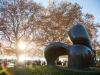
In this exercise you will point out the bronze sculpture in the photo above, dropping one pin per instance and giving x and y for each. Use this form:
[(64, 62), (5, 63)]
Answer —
[(80, 54)]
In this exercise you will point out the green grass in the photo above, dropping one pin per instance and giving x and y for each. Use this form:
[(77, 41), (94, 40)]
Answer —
[(45, 70), (2, 71)]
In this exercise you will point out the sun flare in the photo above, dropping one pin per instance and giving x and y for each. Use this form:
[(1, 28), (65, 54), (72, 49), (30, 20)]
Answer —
[(21, 45)]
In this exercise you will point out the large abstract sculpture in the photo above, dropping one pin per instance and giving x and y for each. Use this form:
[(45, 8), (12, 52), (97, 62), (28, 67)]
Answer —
[(80, 54)]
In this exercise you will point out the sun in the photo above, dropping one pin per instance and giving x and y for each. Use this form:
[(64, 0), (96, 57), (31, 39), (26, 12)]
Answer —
[(21, 45)]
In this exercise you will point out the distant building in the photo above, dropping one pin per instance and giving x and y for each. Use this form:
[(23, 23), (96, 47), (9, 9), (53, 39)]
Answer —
[(63, 58)]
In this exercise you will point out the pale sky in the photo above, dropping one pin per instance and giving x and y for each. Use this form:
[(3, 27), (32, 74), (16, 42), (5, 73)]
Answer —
[(88, 6)]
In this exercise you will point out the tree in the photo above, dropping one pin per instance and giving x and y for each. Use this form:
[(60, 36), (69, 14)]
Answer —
[(56, 20), (16, 21)]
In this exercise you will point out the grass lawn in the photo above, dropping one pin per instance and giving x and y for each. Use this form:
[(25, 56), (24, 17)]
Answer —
[(44, 70)]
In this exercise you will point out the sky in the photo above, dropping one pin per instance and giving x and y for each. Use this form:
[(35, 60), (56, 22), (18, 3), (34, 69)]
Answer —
[(88, 6)]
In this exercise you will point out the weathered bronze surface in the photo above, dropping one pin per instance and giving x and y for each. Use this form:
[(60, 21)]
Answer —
[(79, 57), (79, 35)]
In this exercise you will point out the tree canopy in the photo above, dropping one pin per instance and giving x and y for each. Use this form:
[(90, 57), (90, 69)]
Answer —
[(31, 22)]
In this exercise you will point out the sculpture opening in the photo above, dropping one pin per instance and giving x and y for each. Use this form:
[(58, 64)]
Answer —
[(54, 50)]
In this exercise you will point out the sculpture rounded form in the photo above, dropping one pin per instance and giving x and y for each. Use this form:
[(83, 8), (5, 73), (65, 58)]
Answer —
[(79, 56), (79, 35), (54, 50)]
